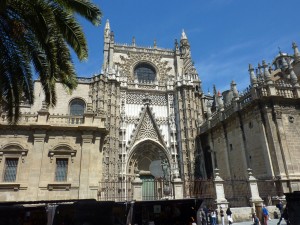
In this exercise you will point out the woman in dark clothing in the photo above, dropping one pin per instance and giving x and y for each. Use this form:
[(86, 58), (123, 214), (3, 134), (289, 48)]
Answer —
[(229, 213)]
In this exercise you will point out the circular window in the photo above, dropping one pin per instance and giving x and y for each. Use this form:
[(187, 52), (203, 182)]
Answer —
[(145, 72)]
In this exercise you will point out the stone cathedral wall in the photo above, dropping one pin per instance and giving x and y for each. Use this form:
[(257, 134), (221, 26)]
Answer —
[(63, 98)]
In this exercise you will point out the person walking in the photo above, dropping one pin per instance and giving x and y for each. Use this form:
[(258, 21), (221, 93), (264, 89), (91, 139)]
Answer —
[(286, 215), (202, 217), (281, 209), (255, 219), (265, 213), (229, 215), (213, 217), (222, 216)]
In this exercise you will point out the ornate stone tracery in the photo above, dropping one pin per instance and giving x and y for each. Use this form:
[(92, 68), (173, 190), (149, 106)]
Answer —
[(137, 98), (128, 64), (147, 130)]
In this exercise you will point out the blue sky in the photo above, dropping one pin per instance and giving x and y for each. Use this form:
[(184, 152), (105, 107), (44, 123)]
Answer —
[(225, 35)]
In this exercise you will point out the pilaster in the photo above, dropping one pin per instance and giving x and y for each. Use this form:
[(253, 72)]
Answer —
[(220, 193), (178, 188), (86, 146), (255, 198), (43, 114), (39, 137), (137, 188)]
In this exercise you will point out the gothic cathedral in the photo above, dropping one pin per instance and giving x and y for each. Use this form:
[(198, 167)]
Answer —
[(145, 115)]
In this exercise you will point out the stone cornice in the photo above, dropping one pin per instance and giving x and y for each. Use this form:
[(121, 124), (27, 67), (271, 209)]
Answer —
[(55, 127)]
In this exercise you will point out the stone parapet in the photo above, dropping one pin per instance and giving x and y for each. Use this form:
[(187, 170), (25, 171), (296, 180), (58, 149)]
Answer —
[(279, 89), (43, 118)]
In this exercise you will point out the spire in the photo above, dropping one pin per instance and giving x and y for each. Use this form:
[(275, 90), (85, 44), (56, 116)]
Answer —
[(296, 52), (107, 25), (133, 41), (112, 37), (234, 90), (176, 47), (260, 71), (107, 29), (293, 76), (215, 90), (183, 35), (220, 101), (267, 74), (284, 63), (208, 106), (253, 78)]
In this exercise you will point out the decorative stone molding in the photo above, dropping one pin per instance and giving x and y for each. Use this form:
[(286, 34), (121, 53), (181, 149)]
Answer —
[(59, 186), (137, 98), (62, 150), (13, 149), (146, 128), (132, 59), (10, 186)]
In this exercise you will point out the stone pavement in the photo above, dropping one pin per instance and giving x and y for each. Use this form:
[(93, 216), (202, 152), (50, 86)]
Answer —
[(270, 222)]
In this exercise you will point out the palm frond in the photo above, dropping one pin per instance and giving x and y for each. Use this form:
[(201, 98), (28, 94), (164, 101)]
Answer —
[(72, 32), (85, 8), (35, 36)]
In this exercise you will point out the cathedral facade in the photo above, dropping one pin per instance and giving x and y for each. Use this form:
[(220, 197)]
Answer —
[(145, 115)]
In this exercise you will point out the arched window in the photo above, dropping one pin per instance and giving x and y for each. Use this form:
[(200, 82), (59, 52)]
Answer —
[(145, 72), (77, 107)]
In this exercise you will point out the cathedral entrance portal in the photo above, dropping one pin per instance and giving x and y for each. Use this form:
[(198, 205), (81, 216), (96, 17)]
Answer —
[(150, 161)]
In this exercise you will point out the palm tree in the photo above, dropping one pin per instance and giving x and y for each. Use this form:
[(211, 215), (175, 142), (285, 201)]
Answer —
[(35, 36)]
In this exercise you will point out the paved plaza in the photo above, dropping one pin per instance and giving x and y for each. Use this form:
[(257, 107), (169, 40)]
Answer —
[(270, 222)]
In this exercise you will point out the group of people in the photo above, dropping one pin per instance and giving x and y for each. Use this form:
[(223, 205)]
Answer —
[(210, 216), (265, 215)]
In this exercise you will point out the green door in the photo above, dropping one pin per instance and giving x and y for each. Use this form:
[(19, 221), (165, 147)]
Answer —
[(148, 187)]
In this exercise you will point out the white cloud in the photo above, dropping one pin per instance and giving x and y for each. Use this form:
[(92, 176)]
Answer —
[(231, 63)]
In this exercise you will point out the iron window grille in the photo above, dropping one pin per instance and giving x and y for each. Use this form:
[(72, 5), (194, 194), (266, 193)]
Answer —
[(10, 172)]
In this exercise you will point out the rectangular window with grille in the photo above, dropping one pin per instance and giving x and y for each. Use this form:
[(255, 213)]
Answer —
[(10, 171), (61, 169)]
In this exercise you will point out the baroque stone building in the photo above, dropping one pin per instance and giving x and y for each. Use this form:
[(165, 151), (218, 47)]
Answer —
[(145, 116)]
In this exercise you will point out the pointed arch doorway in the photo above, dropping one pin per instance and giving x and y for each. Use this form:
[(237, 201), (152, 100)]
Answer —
[(143, 154)]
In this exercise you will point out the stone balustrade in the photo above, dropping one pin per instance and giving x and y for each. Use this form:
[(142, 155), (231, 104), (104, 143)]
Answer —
[(45, 118), (280, 89)]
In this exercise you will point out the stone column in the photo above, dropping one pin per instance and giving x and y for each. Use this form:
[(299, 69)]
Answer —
[(137, 188), (220, 193), (178, 188), (255, 199)]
